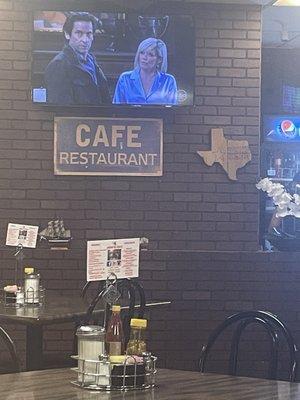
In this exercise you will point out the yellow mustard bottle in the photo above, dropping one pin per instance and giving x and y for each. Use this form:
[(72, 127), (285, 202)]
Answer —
[(137, 345)]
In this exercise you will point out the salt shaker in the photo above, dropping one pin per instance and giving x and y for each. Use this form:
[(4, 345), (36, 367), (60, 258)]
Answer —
[(91, 346)]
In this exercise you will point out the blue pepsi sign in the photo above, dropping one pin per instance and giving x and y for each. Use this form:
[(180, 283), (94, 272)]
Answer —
[(281, 128)]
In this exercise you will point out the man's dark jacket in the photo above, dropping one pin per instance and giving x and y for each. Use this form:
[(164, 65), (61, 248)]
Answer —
[(68, 83)]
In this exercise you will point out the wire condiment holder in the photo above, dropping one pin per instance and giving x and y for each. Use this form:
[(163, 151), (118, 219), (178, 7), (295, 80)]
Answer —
[(24, 292), (20, 298), (103, 375)]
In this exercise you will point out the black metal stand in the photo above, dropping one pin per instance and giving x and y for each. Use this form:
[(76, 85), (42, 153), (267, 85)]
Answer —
[(131, 288), (19, 256)]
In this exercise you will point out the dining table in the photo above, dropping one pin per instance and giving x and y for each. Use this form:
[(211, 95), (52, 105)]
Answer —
[(56, 309), (56, 384)]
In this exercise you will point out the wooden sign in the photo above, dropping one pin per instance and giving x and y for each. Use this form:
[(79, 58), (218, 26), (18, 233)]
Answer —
[(231, 154), (107, 146)]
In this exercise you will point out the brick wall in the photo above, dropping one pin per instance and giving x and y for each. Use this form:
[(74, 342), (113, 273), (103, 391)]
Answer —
[(191, 207), (205, 288)]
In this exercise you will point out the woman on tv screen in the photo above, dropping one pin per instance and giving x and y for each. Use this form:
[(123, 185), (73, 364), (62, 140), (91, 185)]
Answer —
[(148, 82)]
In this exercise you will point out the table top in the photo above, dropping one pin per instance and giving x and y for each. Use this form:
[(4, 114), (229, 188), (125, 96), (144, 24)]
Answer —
[(56, 309), (171, 385)]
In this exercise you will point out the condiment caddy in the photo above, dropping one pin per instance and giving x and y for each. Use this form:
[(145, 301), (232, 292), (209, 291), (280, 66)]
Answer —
[(29, 293), (108, 374), (101, 362)]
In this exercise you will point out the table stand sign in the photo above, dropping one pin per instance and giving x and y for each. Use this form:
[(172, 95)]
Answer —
[(29, 291)]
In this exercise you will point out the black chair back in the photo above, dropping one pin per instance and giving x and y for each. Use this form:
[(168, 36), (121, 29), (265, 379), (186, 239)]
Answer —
[(6, 339), (137, 303), (273, 326), (130, 290)]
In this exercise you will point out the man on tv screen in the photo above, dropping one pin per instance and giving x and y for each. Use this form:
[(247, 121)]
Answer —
[(73, 76)]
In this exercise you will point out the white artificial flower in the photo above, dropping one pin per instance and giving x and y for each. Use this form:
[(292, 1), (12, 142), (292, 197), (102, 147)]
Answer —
[(282, 212), (297, 199), (281, 200), (295, 210), (276, 190), (285, 197), (296, 213), (286, 204), (263, 184)]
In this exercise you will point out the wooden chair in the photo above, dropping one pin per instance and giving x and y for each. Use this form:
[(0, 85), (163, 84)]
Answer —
[(275, 329)]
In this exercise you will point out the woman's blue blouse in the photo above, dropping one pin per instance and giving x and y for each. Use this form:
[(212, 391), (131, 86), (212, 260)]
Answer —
[(129, 89)]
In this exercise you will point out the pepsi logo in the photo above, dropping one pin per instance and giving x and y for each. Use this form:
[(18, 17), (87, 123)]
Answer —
[(288, 129)]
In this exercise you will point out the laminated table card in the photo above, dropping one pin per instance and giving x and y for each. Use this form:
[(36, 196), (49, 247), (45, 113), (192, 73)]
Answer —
[(24, 235), (118, 256)]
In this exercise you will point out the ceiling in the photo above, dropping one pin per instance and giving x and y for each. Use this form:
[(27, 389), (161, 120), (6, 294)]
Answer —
[(281, 27), (258, 2)]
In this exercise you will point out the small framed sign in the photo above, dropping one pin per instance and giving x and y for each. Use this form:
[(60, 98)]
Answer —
[(24, 235), (118, 256)]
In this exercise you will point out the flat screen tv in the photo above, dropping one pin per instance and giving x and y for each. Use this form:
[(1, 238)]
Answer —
[(115, 59)]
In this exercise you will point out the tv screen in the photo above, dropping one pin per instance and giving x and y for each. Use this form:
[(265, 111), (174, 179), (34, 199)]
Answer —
[(94, 58), (281, 128)]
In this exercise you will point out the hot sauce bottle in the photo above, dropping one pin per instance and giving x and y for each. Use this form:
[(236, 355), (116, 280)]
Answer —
[(114, 333)]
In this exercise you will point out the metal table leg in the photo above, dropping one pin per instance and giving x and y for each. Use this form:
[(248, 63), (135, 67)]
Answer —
[(34, 347)]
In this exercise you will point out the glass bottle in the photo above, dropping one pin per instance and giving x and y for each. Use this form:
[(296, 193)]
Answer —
[(137, 345), (271, 172), (90, 350), (278, 164), (114, 333), (31, 286)]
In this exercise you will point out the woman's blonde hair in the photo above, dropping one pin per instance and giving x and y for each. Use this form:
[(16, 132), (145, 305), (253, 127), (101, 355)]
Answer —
[(161, 50)]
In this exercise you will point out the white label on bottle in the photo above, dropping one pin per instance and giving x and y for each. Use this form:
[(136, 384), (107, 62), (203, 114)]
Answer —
[(114, 348)]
